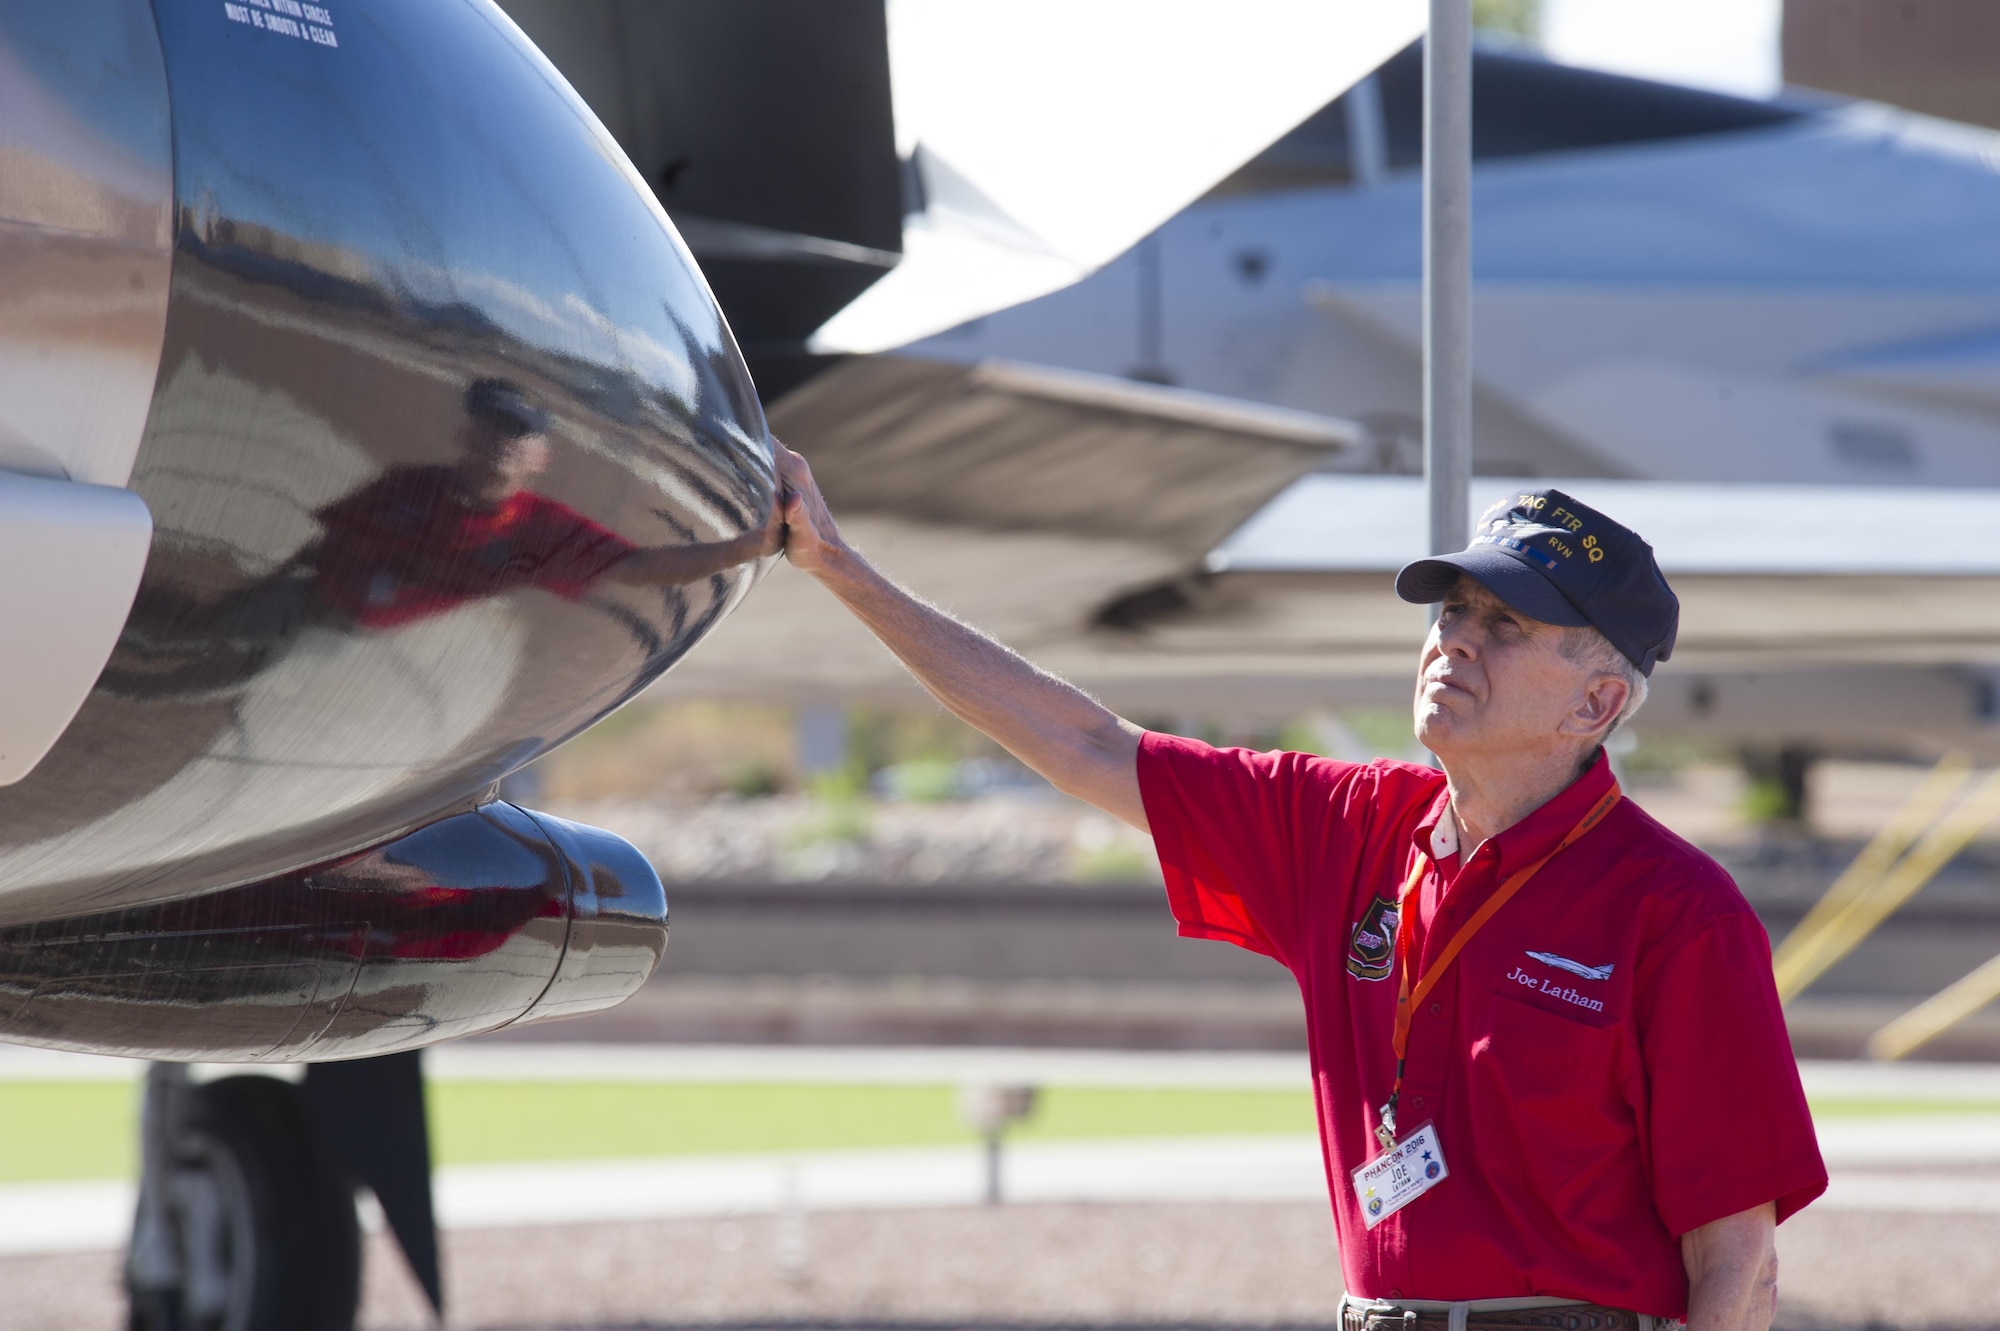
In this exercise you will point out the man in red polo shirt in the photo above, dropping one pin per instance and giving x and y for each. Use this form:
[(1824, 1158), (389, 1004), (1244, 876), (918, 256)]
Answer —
[(1553, 1081)]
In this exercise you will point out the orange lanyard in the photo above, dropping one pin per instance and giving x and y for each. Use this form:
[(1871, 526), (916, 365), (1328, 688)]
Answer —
[(1408, 998)]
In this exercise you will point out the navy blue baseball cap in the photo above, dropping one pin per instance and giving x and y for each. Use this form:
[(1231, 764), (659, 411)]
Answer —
[(1561, 562), (506, 406)]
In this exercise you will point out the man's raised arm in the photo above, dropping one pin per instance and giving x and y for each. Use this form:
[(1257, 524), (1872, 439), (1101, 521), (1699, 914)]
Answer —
[(1078, 744)]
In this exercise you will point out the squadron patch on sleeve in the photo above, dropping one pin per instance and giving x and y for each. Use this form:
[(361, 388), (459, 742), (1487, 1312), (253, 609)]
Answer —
[(1371, 948)]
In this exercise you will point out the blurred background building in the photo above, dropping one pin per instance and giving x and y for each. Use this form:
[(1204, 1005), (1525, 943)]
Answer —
[(1933, 56)]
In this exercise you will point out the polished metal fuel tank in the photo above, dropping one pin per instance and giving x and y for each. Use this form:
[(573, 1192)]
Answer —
[(479, 920), (366, 600)]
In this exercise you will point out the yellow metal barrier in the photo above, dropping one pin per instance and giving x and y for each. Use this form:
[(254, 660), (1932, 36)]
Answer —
[(1834, 926), (1937, 1014)]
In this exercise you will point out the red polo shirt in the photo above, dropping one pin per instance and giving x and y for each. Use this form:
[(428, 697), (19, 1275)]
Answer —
[(1606, 1061)]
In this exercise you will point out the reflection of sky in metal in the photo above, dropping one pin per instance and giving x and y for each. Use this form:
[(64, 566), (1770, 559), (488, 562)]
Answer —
[(430, 166), (110, 102)]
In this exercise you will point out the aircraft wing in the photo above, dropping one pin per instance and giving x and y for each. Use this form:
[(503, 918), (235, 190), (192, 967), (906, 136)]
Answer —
[(1768, 575), (1957, 372), (1046, 137), (1006, 446), (1024, 498)]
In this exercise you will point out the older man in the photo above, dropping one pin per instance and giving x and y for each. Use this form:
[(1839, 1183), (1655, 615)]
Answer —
[(1552, 1078)]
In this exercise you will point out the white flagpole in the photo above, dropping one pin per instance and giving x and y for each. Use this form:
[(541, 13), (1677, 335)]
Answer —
[(1447, 331)]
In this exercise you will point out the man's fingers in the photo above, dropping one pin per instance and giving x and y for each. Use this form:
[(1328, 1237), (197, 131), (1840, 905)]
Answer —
[(792, 468), (799, 497)]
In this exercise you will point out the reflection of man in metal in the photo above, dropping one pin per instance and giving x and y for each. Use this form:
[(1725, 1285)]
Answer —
[(415, 542), (421, 540)]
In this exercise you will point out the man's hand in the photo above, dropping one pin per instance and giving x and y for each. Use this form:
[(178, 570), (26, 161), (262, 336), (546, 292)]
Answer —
[(1069, 737), (812, 542), (1732, 1267)]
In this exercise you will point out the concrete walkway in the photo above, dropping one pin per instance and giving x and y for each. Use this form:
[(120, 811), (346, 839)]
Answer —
[(1927, 1160), (1943, 1160)]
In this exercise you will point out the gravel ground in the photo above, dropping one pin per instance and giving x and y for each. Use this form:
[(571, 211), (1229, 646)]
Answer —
[(1017, 1266)]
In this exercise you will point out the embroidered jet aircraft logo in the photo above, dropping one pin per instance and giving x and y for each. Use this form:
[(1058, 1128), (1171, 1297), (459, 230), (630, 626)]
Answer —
[(1575, 968), (1371, 948)]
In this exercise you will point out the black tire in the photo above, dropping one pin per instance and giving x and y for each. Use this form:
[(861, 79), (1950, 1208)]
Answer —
[(280, 1245), (152, 1310)]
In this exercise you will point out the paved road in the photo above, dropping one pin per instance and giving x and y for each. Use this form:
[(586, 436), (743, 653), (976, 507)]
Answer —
[(1108, 1267)]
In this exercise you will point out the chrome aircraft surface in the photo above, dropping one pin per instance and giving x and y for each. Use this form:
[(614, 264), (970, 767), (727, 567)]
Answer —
[(365, 431)]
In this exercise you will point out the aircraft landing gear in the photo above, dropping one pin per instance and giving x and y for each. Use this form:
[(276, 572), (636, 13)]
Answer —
[(246, 1222)]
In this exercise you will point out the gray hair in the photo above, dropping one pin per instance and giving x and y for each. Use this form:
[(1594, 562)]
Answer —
[(1587, 647)]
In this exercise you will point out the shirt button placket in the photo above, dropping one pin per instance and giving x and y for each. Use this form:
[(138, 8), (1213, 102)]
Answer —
[(1430, 1051)]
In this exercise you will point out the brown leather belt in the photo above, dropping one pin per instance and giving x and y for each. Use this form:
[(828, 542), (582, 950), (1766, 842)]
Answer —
[(1568, 1317)]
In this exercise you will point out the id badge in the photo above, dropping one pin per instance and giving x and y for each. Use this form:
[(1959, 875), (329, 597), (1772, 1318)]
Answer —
[(1400, 1175)]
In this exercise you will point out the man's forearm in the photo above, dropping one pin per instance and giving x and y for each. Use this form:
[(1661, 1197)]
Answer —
[(678, 565), (1081, 746), (1732, 1267), (1741, 1299)]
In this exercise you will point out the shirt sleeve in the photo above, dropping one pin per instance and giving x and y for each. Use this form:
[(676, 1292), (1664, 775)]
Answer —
[(1729, 1126), (1233, 829), (571, 551)]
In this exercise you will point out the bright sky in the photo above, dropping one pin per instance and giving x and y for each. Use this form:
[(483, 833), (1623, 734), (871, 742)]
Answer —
[(1727, 45)]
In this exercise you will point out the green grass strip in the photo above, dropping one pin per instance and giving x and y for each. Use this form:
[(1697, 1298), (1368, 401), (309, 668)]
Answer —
[(57, 1130), (89, 1130), (1891, 1108), (478, 1122), (65, 1130)]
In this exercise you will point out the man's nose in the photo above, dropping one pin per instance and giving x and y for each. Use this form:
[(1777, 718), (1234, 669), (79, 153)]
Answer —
[(1457, 639)]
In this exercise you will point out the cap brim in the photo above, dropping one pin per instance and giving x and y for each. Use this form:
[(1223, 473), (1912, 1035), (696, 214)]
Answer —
[(1505, 574)]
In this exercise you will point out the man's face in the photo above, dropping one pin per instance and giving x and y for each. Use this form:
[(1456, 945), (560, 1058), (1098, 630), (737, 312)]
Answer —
[(1494, 682), (493, 466)]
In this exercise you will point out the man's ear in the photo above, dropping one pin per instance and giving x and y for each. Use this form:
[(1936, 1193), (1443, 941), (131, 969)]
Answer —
[(1604, 697)]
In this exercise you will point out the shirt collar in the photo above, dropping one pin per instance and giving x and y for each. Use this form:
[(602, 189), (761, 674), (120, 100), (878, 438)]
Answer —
[(1436, 835)]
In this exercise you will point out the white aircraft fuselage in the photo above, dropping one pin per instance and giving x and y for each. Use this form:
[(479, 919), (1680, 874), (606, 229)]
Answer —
[(1812, 302)]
